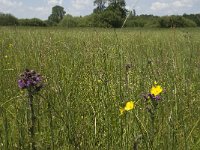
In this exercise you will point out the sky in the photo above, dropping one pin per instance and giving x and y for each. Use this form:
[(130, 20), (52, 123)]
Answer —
[(42, 8)]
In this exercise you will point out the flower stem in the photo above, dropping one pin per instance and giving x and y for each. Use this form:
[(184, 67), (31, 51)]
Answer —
[(33, 121)]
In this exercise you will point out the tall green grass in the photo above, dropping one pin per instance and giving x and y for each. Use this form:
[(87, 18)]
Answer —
[(87, 81)]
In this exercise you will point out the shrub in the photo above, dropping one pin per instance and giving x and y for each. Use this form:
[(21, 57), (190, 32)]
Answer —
[(176, 21), (32, 22), (8, 20), (68, 21)]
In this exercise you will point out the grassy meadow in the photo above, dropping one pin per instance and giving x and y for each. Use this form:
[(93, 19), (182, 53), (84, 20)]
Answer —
[(89, 74)]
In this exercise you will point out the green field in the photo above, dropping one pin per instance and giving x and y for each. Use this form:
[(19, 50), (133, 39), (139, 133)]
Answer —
[(89, 74)]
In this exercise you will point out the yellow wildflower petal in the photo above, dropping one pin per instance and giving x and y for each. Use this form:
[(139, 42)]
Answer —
[(129, 105), (121, 109), (156, 90)]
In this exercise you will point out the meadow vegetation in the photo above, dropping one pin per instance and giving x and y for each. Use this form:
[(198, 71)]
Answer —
[(88, 76)]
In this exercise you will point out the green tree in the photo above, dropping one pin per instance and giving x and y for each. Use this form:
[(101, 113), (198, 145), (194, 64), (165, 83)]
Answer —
[(8, 20), (118, 5), (121, 3), (193, 17), (68, 21), (100, 5), (115, 13), (57, 14), (111, 16), (32, 22), (176, 21)]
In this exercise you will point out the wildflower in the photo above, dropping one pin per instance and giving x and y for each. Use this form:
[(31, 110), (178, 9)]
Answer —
[(152, 97), (6, 56), (122, 110), (129, 106), (155, 92), (30, 80)]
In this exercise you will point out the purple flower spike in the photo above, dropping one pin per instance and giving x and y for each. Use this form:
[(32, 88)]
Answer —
[(37, 79), (158, 97), (21, 84), (30, 80), (28, 83), (152, 97)]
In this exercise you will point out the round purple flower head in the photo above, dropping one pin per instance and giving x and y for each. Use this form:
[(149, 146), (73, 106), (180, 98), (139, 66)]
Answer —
[(30, 80)]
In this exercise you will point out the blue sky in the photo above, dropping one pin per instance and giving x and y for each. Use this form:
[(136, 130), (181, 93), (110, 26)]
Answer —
[(42, 8)]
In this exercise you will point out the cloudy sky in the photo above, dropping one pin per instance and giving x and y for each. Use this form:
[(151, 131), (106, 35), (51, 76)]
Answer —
[(42, 8)]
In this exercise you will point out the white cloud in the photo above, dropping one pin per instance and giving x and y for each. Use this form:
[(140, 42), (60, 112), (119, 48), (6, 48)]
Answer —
[(159, 6), (128, 8), (10, 3), (178, 4), (80, 4), (182, 3), (38, 12), (8, 6), (39, 9), (54, 2), (80, 7), (172, 5)]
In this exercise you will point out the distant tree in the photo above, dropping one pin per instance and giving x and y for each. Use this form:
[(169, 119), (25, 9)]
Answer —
[(100, 5), (120, 3), (68, 21), (57, 14), (85, 21), (133, 13), (176, 21), (193, 17), (32, 22), (8, 20), (113, 18)]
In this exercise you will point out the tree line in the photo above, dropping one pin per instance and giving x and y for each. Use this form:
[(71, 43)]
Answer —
[(107, 14)]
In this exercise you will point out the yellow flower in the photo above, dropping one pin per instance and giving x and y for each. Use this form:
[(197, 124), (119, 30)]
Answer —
[(129, 105), (156, 90), (121, 109)]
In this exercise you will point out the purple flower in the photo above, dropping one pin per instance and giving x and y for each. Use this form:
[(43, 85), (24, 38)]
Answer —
[(30, 79), (37, 79), (158, 97), (21, 84), (28, 83), (152, 97)]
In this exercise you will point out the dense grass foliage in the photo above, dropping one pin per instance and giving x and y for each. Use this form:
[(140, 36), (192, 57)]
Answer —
[(88, 75)]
